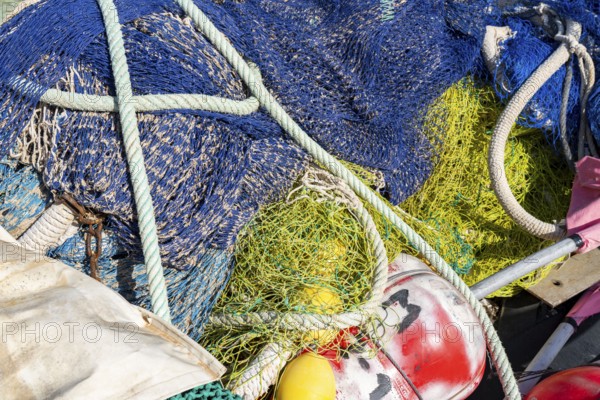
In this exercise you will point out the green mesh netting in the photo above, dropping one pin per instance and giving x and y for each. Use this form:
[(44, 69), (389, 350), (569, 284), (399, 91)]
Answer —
[(210, 391), (306, 254)]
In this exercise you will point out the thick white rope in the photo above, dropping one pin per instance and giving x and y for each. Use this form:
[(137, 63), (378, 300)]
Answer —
[(500, 136), (262, 372), (498, 144), (135, 160), (51, 229), (154, 102), (145, 103), (569, 45)]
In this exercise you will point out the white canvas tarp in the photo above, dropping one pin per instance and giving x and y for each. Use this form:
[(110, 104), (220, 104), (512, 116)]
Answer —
[(64, 335)]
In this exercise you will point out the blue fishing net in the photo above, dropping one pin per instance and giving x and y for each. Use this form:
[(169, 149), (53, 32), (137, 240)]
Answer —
[(358, 76), (594, 113), (191, 291), (22, 197)]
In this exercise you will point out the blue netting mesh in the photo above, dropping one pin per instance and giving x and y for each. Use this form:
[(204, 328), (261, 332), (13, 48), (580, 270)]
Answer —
[(22, 197), (357, 75), (192, 292)]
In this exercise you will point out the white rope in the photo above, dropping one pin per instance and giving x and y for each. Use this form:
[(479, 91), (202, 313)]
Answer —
[(262, 372), (569, 44), (145, 103), (135, 161), (51, 229)]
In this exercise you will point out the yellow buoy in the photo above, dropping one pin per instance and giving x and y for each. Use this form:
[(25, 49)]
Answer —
[(330, 256), (320, 300), (307, 377)]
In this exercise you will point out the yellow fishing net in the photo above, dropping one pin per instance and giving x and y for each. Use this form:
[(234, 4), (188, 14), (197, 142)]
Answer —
[(307, 254), (458, 202)]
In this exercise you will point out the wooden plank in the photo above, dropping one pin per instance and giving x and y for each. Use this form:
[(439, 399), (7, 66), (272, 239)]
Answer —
[(573, 277)]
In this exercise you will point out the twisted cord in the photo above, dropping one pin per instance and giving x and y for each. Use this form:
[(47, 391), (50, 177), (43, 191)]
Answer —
[(135, 160), (588, 78), (563, 116), (262, 372), (51, 229), (270, 104)]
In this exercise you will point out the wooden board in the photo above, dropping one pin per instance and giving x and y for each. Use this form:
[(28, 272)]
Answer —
[(573, 277)]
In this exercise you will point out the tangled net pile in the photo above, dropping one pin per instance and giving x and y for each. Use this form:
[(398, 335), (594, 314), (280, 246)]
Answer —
[(210, 171), (307, 254), (359, 77), (305, 242)]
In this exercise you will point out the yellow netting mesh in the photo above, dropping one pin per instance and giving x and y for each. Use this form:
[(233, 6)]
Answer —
[(300, 255), (305, 254), (457, 200)]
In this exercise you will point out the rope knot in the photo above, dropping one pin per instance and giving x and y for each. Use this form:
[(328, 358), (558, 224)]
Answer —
[(573, 44)]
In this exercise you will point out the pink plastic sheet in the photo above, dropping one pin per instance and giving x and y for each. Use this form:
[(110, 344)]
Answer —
[(583, 217), (587, 305)]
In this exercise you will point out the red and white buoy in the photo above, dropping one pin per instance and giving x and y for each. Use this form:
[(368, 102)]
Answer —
[(426, 344)]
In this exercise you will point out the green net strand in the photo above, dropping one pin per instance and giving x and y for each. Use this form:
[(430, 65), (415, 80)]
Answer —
[(458, 200), (210, 391), (305, 254)]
